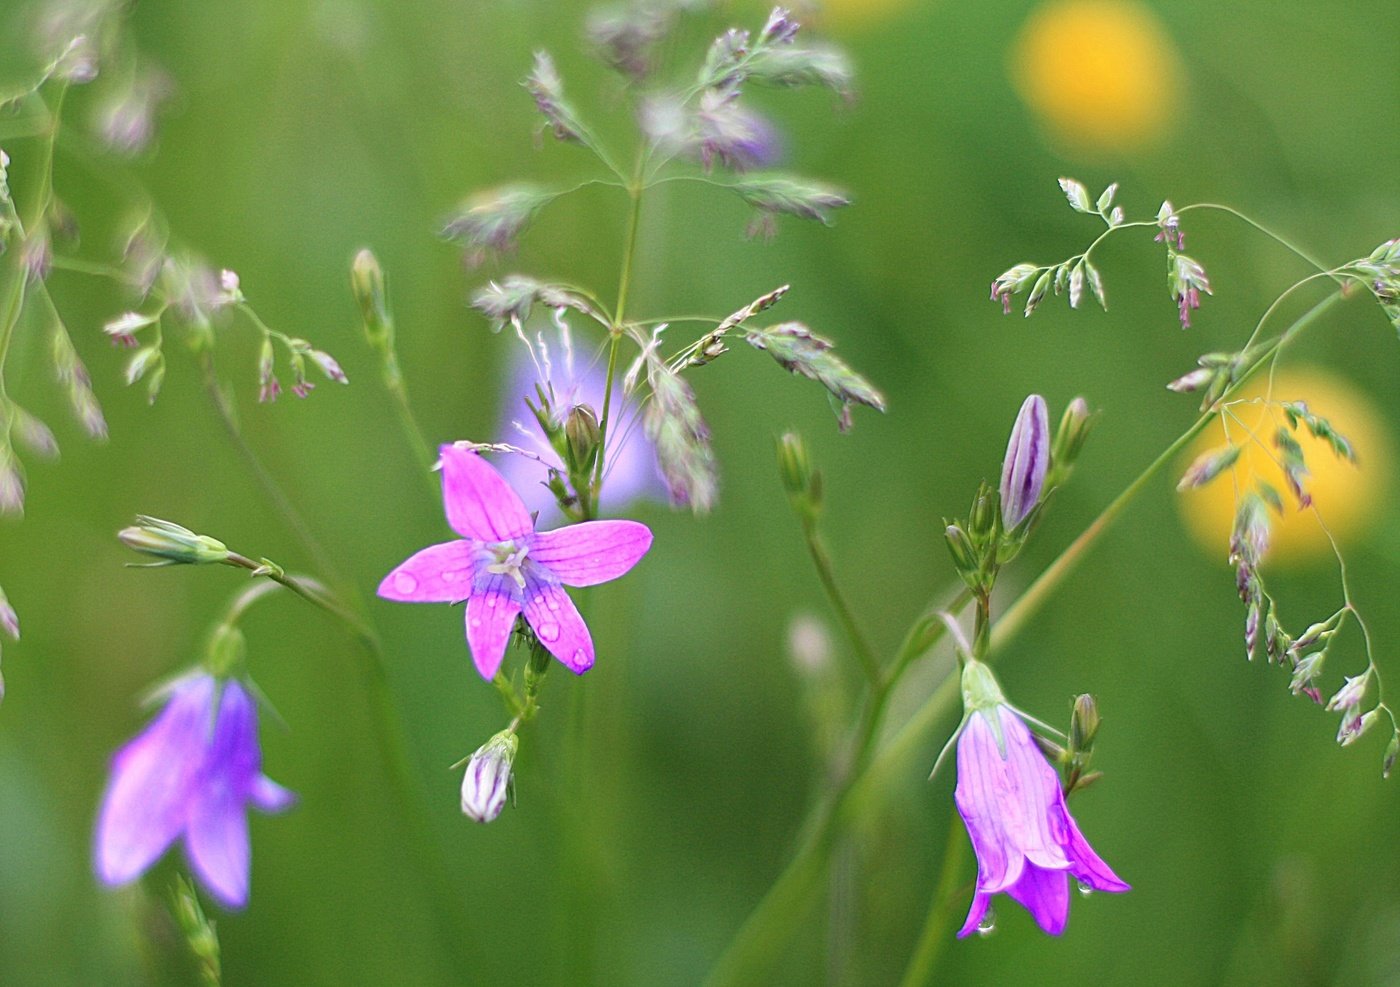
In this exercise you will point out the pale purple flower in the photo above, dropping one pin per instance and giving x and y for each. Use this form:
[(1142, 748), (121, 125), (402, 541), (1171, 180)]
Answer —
[(502, 566), (192, 773), (486, 784), (629, 461), (1026, 463), (1027, 844)]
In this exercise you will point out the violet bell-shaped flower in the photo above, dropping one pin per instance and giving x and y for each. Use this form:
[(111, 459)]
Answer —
[(1027, 844), (1026, 463), (191, 773), (502, 566), (629, 459)]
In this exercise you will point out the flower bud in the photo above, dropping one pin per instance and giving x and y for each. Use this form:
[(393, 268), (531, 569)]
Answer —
[(582, 435), (1083, 723), (794, 465), (487, 781), (1069, 438), (982, 520), (367, 282), (1027, 460), (9, 620), (172, 543), (960, 548)]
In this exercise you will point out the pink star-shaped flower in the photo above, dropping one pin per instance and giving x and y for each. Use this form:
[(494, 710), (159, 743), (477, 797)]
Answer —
[(502, 566)]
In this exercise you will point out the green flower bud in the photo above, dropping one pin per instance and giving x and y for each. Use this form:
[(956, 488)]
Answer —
[(171, 543), (1083, 724), (367, 282), (582, 435)]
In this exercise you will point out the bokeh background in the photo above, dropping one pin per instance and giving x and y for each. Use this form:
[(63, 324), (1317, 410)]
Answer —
[(660, 795)]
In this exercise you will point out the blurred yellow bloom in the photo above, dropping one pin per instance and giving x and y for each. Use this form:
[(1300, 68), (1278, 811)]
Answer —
[(1347, 496), (1102, 74)]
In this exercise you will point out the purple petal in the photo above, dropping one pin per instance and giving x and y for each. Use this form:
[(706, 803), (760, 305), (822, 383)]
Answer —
[(1040, 832), (975, 914), (592, 552), (558, 625), (491, 611), (982, 798), (152, 783), (1045, 894), (1088, 866), (437, 574), (216, 839), (216, 844), (479, 503), (269, 796)]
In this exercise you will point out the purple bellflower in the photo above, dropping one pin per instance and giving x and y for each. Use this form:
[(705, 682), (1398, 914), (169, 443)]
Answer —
[(191, 773), (502, 566), (1009, 797), (1026, 463), (630, 460)]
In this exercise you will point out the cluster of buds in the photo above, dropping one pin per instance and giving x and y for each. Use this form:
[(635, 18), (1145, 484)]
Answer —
[(1380, 272), (1186, 278), (298, 353), (1002, 518), (1073, 758), (490, 223)]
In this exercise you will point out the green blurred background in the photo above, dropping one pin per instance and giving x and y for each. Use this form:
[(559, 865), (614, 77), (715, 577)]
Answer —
[(660, 795)]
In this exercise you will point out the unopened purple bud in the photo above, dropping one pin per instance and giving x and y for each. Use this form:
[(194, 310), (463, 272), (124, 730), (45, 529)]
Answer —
[(9, 621), (1027, 459), (487, 781), (328, 365)]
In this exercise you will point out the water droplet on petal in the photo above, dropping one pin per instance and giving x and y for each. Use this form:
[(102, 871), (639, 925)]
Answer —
[(405, 583), (579, 656), (1084, 889), (548, 631), (988, 925), (449, 576), (554, 602), (475, 621), (490, 601)]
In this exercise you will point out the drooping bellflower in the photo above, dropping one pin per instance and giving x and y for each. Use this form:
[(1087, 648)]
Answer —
[(1027, 844), (502, 566), (191, 773)]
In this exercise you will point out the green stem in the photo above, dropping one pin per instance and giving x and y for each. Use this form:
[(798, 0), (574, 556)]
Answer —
[(408, 423), (270, 487), (755, 949), (1048, 581), (826, 572), (934, 936), (624, 286)]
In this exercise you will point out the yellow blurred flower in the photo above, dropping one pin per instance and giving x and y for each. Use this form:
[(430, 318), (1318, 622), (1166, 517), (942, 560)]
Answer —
[(1347, 496), (1102, 74)]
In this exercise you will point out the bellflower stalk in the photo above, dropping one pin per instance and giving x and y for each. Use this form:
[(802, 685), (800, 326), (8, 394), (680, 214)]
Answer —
[(192, 773), (502, 566), (1008, 795)]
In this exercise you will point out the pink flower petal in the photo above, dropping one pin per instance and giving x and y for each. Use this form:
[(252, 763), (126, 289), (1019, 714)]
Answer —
[(1045, 894), (146, 803), (1088, 866), (437, 574), (216, 843), (593, 552), (558, 625), (269, 796), (491, 614), (980, 902), (479, 503)]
